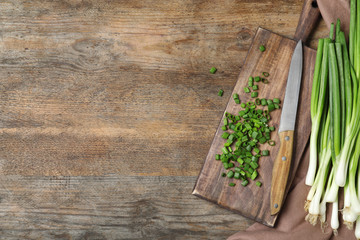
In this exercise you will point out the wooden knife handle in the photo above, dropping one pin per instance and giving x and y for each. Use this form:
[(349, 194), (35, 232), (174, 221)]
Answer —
[(309, 15), (281, 170)]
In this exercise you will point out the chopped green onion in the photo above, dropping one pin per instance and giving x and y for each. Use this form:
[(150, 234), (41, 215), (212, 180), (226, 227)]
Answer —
[(254, 94), (243, 105), (225, 121), (251, 79), (257, 79), (258, 183), (225, 150), (262, 140), (232, 184), (265, 74), (223, 174), (246, 90), (217, 156), (213, 70), (271, 107), (255, 87), (221, 92), (254, 165), (264, 80), (237, 101), (276, 100), (230, 174), (263, 102), (265, 153), (262, 48), (245, 183), (236, 96), (225, 135), (271, 142), (254, 175)]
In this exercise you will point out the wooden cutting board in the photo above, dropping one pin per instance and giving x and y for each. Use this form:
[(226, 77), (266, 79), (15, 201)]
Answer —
[(252, 201)]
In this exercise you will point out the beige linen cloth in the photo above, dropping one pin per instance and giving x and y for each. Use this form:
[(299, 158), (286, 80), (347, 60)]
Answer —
[(291, 224)]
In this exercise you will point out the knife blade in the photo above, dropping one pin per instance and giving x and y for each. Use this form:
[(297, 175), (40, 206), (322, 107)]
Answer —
[(282, 162)]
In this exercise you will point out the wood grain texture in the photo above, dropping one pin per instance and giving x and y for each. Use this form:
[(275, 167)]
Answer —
[(108, 111), (281, 170), (87, 84), (252, 201), (109, 207)]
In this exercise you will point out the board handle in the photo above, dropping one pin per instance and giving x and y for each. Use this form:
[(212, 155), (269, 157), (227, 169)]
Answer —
[(308, 18), (281, 171)]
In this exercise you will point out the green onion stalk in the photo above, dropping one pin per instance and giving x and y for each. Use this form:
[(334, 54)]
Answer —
[(350, 87), (318, 97), (352, 132), (335, 217), (313, 203)]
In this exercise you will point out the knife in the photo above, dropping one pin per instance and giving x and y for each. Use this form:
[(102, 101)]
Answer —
[(282, 162)]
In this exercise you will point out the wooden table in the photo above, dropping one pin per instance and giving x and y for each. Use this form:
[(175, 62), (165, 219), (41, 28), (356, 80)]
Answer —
[(108, 110)]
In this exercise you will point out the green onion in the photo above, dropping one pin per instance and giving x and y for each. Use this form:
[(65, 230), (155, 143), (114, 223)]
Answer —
[(264, 80), (254, 94), (271, 142), (263, 102), (258, 183), (271, 107), (232, 184), (265, 74), (225, 135), (230, 174), (244, 133), (265, 153), (254, 175), (221, 92), (213, 70), (245, 183), (262, 48)]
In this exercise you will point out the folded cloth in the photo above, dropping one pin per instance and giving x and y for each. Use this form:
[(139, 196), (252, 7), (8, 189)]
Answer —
[(291, 222), (331, 10)]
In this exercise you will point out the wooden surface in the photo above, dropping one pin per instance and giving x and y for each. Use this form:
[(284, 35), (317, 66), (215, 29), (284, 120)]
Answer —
[(108, 111), (252, 201)]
